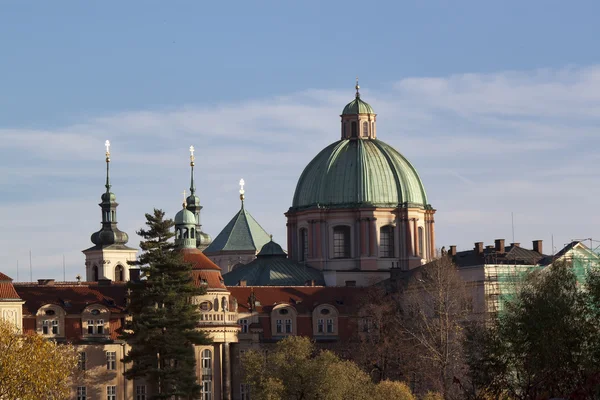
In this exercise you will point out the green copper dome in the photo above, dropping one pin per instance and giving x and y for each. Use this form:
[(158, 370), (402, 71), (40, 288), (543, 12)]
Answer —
[(359, 173), (185, 217), (357, 106)]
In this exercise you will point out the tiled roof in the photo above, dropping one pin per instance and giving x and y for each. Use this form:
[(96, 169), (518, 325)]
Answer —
[(303, 298), (212, 279), (242, 233), (5, 277), (511, 255), (7, 291), (274, 271), (198, 260), (73, 298)]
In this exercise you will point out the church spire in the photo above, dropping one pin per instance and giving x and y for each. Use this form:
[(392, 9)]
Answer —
[(357, 87), (109, 234), (193, 205), (242, 191), (192, 187)]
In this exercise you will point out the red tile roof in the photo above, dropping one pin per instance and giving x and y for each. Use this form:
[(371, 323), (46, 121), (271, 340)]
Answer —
[(303, 298), (73, 298), (212, 279), (198, 260), (7, 291), (4, 277)]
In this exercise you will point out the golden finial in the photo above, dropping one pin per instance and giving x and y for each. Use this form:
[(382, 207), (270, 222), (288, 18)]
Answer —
[(107, 144), (357, 87), (242, 191), (184, 199), (192, 156)]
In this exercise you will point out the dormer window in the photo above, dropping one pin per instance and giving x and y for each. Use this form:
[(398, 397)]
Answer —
[(95, 321), (325, 320), (283, 320)]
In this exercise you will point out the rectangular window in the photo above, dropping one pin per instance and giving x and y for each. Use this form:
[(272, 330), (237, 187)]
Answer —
[(111, 360), (288, 326), (45, 327), (421, 241), (140, 392), (341, 242), (55, 327), (303, 244), (81, 393), (320, 326), (81, 361), (244, 391), (330, 326), (111, 393), (279, 326), (244, 324), (206, 391), (100, 327), (386, 241), (90, 325)]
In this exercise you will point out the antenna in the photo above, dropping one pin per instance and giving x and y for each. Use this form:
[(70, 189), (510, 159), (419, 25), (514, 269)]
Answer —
[(512, 219), (17, 270), (64, 275), (30, 268)]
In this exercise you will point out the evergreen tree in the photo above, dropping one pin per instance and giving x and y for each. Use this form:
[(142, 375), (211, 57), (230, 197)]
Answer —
[(163, 332)]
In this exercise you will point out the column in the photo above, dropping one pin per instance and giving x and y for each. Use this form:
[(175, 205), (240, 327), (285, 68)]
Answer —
[(226, 372)]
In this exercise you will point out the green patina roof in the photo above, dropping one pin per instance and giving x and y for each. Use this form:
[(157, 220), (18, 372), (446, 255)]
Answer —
[(357, 173), (185, 217), (241, 233), (357, 106), (272, 268)]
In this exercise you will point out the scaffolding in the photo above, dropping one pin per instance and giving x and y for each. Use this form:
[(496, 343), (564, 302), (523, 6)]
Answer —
[(503, 277)]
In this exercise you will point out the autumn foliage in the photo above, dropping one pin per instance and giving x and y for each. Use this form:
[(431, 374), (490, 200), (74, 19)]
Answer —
[(33, 368)]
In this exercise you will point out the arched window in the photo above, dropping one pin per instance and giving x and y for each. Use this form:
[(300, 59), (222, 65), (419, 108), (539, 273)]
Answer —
[(206, 384), (344, 130), (365, 129), (193, 233), (341, 242), (303, 244), (178, 234), (95, 273), (354, 129), (186, 234), (113, 215), (119, 274), (386, 241), (421, 237)]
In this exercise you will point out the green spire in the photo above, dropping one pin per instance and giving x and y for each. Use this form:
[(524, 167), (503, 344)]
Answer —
[(107, 144)]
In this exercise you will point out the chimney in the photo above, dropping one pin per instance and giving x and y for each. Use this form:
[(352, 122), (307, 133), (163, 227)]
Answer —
[(516, 244), (499, 245), (537, 246), (134, 274), (452, 251), (46, 282), (478, 248), (242, 283)]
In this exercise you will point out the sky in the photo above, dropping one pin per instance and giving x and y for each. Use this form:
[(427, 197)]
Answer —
[(496, 104)]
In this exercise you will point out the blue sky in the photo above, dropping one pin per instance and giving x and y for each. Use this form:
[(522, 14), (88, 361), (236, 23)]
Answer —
[(495, 103)]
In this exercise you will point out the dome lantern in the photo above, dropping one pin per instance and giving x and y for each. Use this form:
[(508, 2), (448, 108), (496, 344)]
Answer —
[(358, 119)]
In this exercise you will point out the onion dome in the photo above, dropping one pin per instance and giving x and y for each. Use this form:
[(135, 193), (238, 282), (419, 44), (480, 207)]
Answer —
[(109, 235)]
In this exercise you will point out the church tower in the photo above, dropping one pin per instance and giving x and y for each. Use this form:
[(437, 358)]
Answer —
[(107, 259), (203, 240)]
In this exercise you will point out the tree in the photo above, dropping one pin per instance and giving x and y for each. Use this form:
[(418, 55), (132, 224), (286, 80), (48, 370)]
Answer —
[(296, 370), (393, 390), (163, 331), (542, 345), (434, 310), (32, 367)]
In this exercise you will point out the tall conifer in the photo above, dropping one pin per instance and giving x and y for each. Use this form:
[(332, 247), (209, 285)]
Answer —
[(162, 332)]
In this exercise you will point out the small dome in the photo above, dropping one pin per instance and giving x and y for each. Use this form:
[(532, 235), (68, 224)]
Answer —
[(107, 237), (357, 106), (185, 217), (271, 249), (204, 238), (110, 197), (358, 173), (192, 200)]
